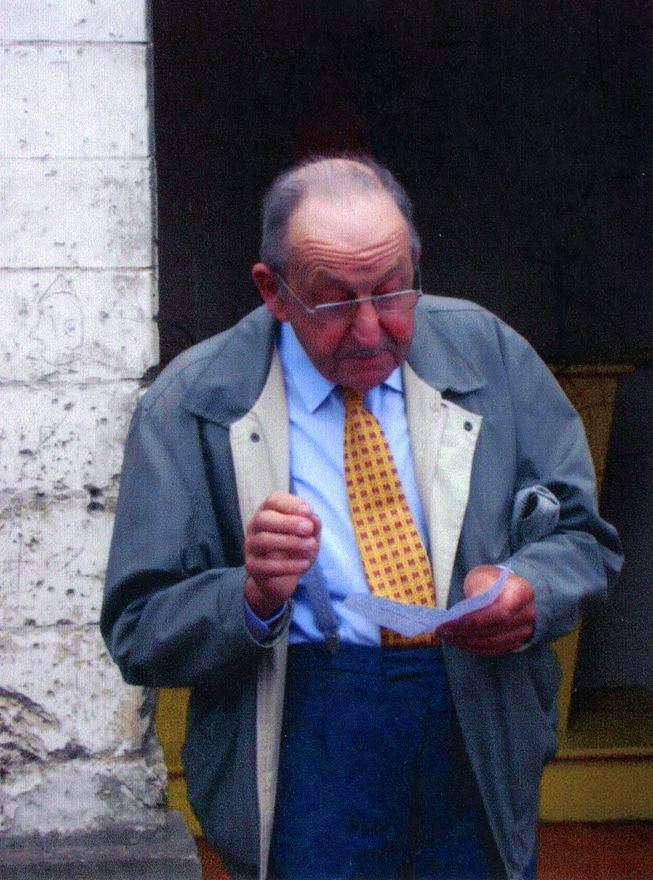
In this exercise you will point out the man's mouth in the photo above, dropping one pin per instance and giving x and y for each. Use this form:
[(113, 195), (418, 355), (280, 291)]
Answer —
[(365, 355)]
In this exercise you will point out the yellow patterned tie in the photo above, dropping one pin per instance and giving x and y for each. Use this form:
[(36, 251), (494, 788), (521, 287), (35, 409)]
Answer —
[(394, 557)]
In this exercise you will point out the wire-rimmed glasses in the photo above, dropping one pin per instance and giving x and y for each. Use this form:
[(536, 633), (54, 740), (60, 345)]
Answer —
[(393, 303)]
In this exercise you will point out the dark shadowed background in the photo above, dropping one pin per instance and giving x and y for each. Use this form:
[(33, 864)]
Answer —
[(522, 130)]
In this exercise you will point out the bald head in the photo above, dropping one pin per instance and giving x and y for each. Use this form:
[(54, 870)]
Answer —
[(342, 179)]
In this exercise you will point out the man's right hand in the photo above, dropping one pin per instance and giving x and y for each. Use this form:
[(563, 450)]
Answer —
[(281, 543)]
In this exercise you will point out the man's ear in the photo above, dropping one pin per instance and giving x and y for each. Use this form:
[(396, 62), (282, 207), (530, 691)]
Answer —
[(266, 281)]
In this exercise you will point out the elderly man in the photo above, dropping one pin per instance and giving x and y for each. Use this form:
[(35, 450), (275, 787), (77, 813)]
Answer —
[(355, 436)]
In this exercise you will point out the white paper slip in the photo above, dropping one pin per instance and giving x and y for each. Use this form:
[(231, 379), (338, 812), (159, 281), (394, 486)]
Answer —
[(411, 620)]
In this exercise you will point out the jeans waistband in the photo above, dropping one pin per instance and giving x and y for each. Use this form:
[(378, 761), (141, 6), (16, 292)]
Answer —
[(366, 659)]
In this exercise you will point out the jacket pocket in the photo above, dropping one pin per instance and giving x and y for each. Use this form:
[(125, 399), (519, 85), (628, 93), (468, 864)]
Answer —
[(544, 671)]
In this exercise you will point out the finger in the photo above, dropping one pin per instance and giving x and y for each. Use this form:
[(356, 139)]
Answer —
[(473, 627), (516, 596), (285, 502), (501, 615), (317, 526), (267, 568), (480, 579), (496, 619), (491, 646), (282, 523), (266, 543)]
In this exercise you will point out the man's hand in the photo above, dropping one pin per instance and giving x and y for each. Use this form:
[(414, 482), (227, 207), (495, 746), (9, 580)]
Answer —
[(501, 627), (281, 543)]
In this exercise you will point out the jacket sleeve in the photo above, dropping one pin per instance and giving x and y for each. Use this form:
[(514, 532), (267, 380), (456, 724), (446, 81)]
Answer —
[(173, 604), (559, 542)]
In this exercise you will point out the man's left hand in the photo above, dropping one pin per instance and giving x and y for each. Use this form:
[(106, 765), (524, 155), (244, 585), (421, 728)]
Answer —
[(503, 626)]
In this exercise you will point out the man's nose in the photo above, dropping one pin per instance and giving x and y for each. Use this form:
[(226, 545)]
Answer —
[(366, 328)]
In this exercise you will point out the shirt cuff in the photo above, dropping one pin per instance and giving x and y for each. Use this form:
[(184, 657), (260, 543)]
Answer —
[(265, 630)]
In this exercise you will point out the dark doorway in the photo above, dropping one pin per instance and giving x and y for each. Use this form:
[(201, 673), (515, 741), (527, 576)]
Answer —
[(522, 131)]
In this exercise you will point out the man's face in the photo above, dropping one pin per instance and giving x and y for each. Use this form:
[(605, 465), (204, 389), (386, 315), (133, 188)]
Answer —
[(349, 248)]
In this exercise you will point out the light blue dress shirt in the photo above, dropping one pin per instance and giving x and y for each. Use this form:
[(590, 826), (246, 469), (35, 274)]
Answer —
[(316, 414)]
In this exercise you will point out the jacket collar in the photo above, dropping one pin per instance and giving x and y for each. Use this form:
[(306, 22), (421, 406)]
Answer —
[(440, 341), (237, 363)]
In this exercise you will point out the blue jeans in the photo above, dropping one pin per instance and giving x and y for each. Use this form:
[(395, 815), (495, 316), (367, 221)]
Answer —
[(374, 781)]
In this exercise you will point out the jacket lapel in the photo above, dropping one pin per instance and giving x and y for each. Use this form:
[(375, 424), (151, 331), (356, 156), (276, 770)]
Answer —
[(260, 450), (260, 444), (443, 439)]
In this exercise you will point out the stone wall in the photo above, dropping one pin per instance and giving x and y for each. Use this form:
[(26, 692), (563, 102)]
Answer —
[(77, 309)]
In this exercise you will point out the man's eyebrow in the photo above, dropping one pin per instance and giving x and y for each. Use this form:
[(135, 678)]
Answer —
[(326, 277)]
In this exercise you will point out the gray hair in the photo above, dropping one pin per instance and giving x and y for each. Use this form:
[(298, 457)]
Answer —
[(331, 177)]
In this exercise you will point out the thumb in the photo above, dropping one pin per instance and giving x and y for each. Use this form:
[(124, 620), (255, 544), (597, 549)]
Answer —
[(480, 579)]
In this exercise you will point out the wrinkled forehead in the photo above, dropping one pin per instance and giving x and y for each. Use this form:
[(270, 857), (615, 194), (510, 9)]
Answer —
[(352, 230)]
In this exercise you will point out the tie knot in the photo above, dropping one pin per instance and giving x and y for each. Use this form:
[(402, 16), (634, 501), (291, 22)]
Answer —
[(353, 399)]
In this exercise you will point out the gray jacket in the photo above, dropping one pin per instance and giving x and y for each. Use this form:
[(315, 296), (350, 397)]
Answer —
[(504, 476)]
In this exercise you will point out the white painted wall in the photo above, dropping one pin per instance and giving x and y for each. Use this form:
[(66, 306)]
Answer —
[(77, 302)]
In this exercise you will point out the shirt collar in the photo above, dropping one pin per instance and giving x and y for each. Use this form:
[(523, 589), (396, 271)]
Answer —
[(314, 388)]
